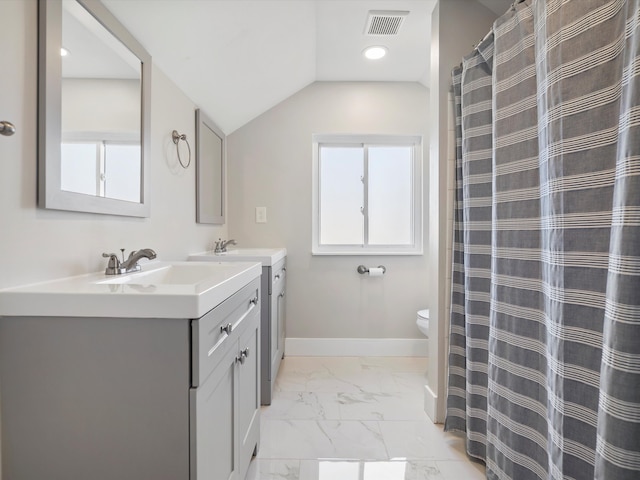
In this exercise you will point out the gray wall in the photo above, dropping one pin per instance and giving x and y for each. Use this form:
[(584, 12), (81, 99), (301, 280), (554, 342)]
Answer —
[(269, 164)]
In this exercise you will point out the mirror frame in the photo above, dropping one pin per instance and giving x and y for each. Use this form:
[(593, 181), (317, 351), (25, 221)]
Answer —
[(50, 194), (202, 122)]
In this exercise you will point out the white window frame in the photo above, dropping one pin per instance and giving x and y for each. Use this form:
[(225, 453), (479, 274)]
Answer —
[(415, 248)]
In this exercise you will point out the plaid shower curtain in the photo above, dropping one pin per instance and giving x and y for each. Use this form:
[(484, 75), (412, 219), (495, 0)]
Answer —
[(544, 361)]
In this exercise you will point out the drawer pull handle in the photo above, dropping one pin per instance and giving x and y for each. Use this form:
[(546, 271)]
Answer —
[(281, 294), (243, 355), (284, 269), (277, 277), (229, 327), (252, 304)]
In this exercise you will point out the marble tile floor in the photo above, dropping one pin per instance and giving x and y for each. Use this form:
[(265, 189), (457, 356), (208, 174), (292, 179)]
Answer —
[(355, 418)]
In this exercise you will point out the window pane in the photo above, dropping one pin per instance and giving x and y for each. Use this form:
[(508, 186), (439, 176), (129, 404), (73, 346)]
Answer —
[(79, 170), (122, 172), (341, 195), (390, 196)]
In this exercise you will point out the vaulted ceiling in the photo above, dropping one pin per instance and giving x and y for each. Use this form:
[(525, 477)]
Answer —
[(236, 59)]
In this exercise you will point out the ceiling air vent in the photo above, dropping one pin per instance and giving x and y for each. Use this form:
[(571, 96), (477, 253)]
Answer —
[(384, 22)]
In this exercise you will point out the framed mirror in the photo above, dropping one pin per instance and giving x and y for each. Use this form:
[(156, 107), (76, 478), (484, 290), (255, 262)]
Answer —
[(210, 170), (94, 97)]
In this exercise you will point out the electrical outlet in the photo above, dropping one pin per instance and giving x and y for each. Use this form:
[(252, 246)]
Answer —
[(261, 214)]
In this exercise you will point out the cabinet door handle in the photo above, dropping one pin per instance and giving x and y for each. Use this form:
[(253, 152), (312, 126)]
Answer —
[(226, 328), (281, 294), (253, 301), (243, 356), (284, 269), (277, 277)]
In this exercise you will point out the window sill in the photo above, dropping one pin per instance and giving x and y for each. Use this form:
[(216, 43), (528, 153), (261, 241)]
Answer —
[(367, 253)]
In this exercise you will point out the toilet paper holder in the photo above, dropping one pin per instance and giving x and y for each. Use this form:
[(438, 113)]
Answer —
[(362, 269)]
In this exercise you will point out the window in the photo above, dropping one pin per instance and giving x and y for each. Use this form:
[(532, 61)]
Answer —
[(367, 195), (101, 168)]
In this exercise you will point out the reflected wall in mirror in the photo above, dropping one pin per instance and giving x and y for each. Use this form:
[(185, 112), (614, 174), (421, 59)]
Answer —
[(94, 100), (210, 170)]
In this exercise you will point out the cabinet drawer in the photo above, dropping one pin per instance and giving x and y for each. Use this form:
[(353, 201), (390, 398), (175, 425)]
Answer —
[(214, 333)]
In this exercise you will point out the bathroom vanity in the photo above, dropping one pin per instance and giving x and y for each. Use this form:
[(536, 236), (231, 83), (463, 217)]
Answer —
[(273, 314), (152, 375)]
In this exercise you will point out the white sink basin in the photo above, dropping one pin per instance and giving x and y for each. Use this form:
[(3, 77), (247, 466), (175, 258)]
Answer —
[(175, 274), (159, 290), (266, 256)]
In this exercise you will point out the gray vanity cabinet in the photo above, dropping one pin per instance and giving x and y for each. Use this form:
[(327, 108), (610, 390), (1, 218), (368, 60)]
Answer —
[(272, 306), (225, 395), (132, 398), (274, 281)]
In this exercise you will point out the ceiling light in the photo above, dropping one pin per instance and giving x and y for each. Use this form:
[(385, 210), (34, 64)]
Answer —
[(64, 52), (375, 53)]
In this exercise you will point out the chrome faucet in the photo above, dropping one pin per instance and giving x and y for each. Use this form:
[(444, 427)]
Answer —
[(221, 245), (116, 267)]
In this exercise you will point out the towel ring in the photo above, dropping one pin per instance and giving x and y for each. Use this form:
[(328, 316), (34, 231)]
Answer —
[(176, 137)]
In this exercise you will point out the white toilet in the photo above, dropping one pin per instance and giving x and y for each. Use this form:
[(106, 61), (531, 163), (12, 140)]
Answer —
[(423, 322)]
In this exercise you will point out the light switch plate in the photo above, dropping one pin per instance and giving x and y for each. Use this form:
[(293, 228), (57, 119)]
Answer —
[(261, 214)]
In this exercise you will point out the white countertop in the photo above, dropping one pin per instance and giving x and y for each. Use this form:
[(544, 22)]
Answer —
[(266, 256), (159, 290)]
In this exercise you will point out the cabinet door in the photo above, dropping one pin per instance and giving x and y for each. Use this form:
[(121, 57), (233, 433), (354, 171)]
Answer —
[(248, 368), (214, 420)]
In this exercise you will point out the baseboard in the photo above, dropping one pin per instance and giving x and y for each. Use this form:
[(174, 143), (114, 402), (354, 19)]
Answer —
[(356, 347)]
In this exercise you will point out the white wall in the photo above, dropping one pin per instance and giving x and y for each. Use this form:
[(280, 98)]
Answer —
[(37, 245), (456, 26), (269, 164)]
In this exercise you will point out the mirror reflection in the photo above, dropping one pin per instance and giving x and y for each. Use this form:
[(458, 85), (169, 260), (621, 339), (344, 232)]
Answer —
[(210, 165), (100, 110)]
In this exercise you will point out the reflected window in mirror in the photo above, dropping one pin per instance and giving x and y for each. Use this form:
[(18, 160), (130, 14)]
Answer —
[(94, 111), (101, 168)]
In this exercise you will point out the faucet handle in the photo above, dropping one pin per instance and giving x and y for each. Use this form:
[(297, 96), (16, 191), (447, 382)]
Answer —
[(218, 247), (114, 264), (113, 258)]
